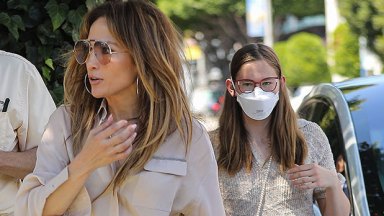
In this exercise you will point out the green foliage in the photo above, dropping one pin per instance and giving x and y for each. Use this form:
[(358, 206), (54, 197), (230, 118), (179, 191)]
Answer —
[(43, 32), (187, 9), (303, 59), (191, 9), (57, 13), (226, 20), (13, 23), (218, 20), (366, 18), (206, 16), (298, 8), (346, 46)]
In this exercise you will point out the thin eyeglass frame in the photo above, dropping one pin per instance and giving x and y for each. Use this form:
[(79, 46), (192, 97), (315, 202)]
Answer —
[(257, 84)]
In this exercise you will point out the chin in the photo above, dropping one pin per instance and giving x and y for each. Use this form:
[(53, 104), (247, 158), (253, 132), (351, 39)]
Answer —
[(97, 94)]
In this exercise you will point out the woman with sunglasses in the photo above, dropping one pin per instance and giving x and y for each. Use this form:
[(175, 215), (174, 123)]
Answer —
[(271, 163), (124, 142)]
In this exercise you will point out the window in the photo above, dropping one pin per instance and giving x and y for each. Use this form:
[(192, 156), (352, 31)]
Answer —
[(322, 112)]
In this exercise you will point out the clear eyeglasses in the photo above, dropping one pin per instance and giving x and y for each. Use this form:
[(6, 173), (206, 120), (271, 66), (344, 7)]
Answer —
[(247, 86)]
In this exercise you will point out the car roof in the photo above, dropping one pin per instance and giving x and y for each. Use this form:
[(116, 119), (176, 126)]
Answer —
[(368, 80)]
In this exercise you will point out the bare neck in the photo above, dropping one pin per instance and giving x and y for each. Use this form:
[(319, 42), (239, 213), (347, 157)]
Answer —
[(123, 109)]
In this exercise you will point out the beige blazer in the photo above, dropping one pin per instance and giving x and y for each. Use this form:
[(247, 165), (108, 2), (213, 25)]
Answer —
[(175, 181)]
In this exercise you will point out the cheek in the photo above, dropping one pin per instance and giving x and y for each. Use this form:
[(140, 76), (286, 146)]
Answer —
[(122, 78)]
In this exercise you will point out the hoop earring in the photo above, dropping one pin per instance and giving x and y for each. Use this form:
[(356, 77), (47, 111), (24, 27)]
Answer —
[(85, 83), (137, 86)]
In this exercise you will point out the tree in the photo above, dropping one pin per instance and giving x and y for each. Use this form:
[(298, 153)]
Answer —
[(220, 23), (43, 32), (303, 59), (225, 20), (366, 18), (298, 8), (346, 46)]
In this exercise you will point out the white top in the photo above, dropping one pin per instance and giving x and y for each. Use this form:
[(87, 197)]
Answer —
[(176, 180), (22, 125)]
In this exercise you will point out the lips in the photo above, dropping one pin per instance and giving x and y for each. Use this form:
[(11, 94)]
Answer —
[(94, 79)]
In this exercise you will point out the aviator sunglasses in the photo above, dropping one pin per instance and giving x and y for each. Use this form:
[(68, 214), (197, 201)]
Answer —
[(100, 49)]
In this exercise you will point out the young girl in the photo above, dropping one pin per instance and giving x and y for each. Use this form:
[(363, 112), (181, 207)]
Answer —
[(271, 163)]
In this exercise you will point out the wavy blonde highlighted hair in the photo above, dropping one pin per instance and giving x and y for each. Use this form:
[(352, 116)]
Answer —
[(157, 51), (288, 143)]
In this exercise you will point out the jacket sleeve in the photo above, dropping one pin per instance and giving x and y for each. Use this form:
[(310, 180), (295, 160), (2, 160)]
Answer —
[(207, 196), (50, 171), (210, 201)]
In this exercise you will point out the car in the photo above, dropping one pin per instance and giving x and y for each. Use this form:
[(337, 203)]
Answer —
[(299, 94), (351, 114)]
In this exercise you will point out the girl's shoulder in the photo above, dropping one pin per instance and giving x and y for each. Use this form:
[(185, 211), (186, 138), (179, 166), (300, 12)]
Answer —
[(317, 141), (309, 128), (214, 137)]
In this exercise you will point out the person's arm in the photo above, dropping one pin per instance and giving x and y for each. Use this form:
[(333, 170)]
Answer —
[(100, 149), (27, 116), (321, 176), (33, 113), (17, 164), (57, 180), (207, 196), (209, 200), (335, 203), (311, 176)]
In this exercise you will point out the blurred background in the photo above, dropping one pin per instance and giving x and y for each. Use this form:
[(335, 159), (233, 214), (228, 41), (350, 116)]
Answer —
[(316, 40)]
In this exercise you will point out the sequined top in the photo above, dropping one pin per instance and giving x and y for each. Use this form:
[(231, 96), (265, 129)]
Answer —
[(241, 193)]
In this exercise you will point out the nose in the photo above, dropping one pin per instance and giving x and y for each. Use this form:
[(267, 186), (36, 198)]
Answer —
[(92, 62), (257, 89)]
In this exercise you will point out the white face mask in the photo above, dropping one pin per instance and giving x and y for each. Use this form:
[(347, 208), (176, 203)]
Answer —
[(258, 104)]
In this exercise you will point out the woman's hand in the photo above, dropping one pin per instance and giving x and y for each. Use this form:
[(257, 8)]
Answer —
[(109, 142), (309, 176)]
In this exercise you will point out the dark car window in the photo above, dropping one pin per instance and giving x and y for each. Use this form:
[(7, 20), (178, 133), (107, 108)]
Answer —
[(367, 105), (322, 112)]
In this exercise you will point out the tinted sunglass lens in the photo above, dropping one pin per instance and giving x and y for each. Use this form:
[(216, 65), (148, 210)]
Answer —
[(102, 52), (81, 51)]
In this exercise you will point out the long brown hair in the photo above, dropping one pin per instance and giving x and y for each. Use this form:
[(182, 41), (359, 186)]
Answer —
[(156, 48), (288, 144)]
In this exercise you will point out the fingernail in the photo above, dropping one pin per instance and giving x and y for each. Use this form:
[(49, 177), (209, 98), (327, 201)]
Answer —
[(133, 126), (110, 117)]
